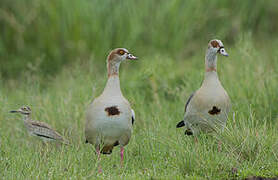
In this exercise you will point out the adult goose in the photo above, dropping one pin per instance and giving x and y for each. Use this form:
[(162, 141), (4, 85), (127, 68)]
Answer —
[(207, 109), (109, 117)]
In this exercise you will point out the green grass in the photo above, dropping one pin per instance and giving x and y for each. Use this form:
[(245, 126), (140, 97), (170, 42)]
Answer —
[(157, 86)]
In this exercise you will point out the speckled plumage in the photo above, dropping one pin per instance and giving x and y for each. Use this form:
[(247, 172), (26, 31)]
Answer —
[(39, 129)]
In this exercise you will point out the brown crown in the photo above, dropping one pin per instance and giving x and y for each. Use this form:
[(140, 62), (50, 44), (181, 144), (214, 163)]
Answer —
[(214, 44)]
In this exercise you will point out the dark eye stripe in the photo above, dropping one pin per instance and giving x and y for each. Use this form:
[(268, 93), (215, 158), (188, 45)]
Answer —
[(221, 47)]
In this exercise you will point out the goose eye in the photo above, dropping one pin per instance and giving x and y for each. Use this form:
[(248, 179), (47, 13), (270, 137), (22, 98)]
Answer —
[(121, 52)]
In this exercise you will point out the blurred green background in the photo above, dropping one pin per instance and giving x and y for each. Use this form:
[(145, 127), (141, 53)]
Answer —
[(43, 36)]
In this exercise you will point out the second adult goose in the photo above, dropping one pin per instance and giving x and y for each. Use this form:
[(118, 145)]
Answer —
[(207, 109)]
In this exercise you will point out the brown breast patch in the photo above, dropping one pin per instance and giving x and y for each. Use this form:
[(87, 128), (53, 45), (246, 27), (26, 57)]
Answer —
[(214, 111), (112, 111)]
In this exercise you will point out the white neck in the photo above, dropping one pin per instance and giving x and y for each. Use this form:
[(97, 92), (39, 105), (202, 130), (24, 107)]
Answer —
[(211, 66), (113, 68), (211, 79), (113, 85), (211, 60)]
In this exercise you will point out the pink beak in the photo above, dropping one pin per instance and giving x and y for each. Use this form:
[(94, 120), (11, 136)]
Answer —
[(131, 57)]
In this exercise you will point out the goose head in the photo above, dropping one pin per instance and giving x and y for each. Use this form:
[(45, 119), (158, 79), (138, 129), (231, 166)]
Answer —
[(216, 46), (115, 58), (120, 54)]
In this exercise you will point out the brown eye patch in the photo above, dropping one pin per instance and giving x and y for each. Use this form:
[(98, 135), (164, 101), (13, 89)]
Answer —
[(121, 52), (215, 44)]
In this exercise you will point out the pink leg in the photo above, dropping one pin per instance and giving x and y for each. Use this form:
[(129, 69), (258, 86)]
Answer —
[(122, 156), (219, 146), (98, 154), (98, 159)]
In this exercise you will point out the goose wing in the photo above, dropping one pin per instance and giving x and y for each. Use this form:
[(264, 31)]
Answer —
[(181, 123)]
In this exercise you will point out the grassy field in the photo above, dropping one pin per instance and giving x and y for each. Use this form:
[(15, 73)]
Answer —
[(52, 56), (157, 87)]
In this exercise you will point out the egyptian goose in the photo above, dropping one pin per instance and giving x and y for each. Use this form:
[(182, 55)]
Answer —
[(109, 117), (207, 108), (39, 129)]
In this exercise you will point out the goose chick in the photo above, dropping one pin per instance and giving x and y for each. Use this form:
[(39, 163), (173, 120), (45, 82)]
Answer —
[(109, 117), (207, 109)]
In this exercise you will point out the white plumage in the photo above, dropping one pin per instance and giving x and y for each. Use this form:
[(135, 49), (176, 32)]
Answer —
[(109, 116)]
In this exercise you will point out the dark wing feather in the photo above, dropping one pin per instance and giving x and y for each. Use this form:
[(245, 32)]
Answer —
[(132, 120), (133, 116), (188, 132), (181, 123), (40, 124), (44, 136), (188, 101)]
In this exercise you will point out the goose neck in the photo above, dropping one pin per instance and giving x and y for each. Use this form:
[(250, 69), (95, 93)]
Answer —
[(113, 68), (211, 61), (113, 85)]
